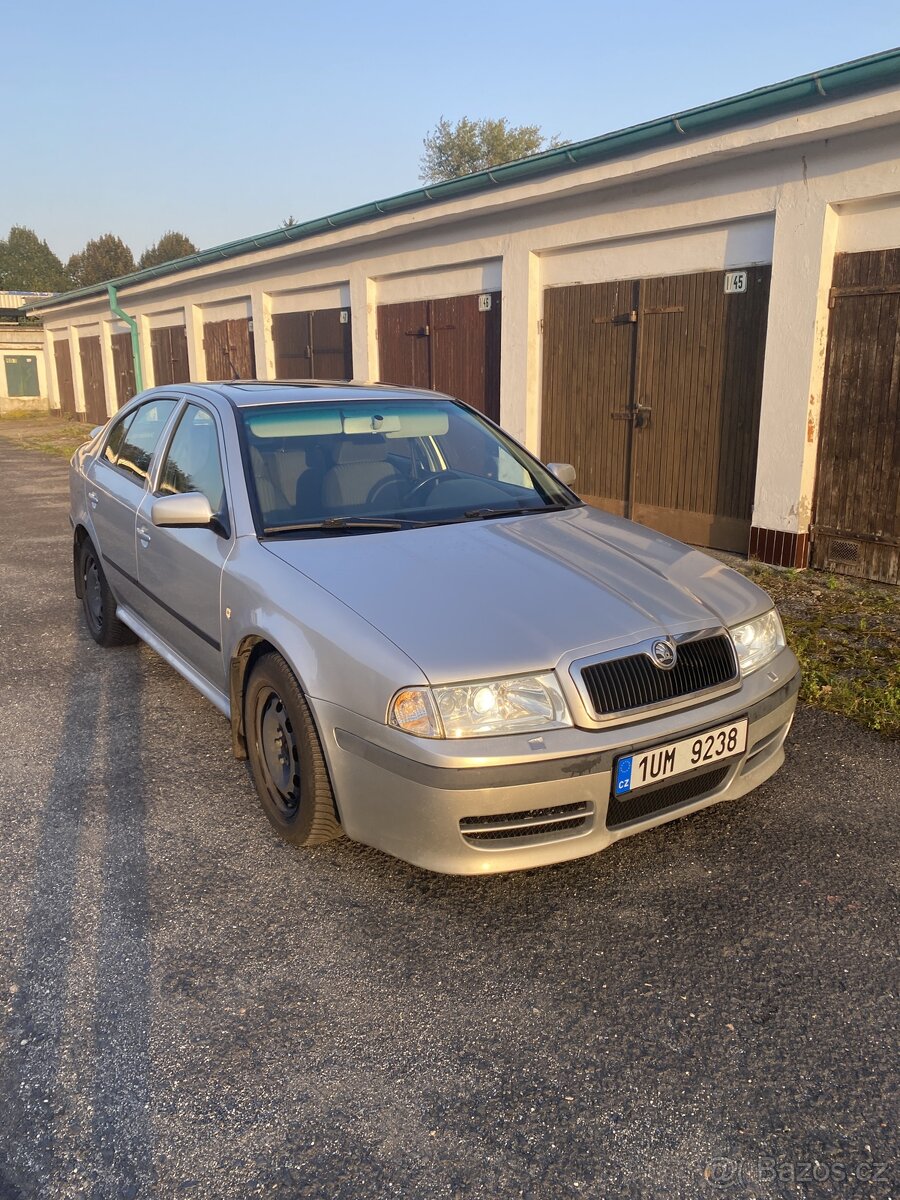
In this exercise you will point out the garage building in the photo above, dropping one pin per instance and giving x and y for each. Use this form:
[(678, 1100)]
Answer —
[(701, 313)]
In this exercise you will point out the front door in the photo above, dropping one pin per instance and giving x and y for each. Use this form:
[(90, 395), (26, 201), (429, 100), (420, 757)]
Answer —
[(180, 570), (451, 345), (652, 390), (857, 510), (313, 345)]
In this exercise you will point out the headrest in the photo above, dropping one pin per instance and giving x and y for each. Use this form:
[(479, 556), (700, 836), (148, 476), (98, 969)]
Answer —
[(361, 448)]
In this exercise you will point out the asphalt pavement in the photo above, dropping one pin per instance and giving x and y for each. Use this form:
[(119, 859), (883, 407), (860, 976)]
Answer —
[(195, 1009)]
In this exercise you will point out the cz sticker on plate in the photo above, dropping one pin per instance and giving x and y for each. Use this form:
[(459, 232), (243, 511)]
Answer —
[(634, 771)]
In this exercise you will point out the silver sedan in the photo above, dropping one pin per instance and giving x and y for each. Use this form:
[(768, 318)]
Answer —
[(420, 635)]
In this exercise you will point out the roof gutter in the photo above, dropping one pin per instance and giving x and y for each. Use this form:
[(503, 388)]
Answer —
[(860, 75), (135, 342)]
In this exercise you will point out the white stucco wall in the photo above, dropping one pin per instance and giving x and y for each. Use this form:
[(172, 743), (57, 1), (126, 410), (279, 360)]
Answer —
[(25, 341)]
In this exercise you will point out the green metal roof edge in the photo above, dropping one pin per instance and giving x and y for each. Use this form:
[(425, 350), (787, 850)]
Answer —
[(859, 75)]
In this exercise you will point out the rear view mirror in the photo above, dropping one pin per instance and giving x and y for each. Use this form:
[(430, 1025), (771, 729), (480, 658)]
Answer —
[(189, 510), (564, 472)]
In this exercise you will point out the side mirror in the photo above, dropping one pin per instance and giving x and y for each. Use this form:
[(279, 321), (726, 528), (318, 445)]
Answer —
[(564, 472), (190, 510)]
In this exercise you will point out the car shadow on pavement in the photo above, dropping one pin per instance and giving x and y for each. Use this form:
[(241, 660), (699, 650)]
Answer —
[(74, 1084)]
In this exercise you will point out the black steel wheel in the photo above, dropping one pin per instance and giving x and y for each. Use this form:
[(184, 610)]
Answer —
[(286, 759), (97, 600)]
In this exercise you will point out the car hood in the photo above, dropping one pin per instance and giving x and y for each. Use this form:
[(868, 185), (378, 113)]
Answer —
[(495, 597)]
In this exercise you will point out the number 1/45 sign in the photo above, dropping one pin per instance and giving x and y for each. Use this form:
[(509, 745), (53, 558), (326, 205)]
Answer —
[(735, 281)]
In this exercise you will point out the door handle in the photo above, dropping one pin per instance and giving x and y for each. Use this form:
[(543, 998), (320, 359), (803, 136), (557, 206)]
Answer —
[(94, 499), (144, 534)]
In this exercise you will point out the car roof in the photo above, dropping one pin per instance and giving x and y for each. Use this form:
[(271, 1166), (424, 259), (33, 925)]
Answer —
[(245, 393)]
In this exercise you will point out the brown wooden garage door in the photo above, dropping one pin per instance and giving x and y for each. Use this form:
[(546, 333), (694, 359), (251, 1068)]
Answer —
[(313, 345), (230, 353), (123, 367), (652, 391), (92, 380), (451, 345), (64, 381), (857, 508), (170, 355)]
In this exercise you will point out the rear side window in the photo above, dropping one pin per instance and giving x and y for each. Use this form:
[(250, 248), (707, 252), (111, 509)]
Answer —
[(139, 440), (115, 439)]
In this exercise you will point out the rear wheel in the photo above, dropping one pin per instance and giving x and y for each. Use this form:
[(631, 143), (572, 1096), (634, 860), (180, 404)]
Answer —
[(286, 757), (98, 602)]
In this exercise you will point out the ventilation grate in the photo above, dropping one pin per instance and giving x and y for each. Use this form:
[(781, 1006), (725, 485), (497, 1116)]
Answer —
[(625, 809), (842, 550), (511, 827)]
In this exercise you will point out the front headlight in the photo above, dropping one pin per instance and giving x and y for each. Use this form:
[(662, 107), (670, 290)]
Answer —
[(521, 704), (758, 641)]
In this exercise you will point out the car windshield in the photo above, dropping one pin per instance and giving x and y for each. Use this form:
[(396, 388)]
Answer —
[(368, 465)]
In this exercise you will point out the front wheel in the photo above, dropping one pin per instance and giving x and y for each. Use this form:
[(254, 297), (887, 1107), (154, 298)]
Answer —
[(98, 602), (286, 759)]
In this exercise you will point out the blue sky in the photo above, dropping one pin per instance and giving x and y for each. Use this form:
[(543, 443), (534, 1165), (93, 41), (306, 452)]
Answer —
[(221, 119)]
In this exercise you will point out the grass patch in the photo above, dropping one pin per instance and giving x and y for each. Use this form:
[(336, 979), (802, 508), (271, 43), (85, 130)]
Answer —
[(59, 436), (846, 633)]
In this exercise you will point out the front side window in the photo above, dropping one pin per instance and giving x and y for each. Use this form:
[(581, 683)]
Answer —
[(135, 451), (388, 463), (193, 463)]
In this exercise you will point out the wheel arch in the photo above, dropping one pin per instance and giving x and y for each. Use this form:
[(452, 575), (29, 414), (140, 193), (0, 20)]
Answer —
[(79, 537), (247, 652), (249, 649)]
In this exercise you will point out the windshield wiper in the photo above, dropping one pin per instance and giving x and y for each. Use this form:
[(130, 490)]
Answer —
[(339, 523), (481, 514)]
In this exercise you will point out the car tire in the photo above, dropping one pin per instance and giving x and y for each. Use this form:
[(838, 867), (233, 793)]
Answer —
[(98, 602), (286, 759)]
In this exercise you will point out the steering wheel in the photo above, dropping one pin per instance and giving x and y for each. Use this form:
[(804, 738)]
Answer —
[(433, 478)]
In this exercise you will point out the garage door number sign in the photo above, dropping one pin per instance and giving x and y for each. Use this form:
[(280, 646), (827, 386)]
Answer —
[(735, 281)]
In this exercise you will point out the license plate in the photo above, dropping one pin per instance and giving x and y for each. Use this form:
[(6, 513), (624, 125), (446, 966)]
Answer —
[(634, 771)]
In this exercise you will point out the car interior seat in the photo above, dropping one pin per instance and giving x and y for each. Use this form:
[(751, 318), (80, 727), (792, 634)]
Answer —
[(359, 471)]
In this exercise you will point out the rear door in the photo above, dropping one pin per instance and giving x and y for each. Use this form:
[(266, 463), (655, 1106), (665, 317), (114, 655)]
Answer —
[(180, 570)]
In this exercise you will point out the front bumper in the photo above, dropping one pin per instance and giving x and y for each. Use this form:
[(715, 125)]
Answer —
[(419, 799)]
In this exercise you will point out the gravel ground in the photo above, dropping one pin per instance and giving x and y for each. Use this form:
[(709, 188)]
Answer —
[(196, 1009)]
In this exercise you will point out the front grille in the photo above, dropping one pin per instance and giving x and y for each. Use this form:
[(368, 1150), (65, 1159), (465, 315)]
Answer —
[(511, 827), (620, 684), (624, 809)]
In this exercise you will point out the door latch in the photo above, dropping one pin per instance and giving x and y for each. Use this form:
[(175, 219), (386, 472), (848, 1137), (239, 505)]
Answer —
[(641, 415)]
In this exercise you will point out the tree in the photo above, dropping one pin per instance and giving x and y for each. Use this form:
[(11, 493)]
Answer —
[(29, 265), (170, 245), (105, 257), (289, 222), (452, 150)]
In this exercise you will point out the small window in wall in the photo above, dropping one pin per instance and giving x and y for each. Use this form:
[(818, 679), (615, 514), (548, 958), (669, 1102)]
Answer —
[(21, 375)]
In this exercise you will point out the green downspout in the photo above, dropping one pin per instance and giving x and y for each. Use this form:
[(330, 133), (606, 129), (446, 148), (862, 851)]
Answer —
[(135, 344)]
